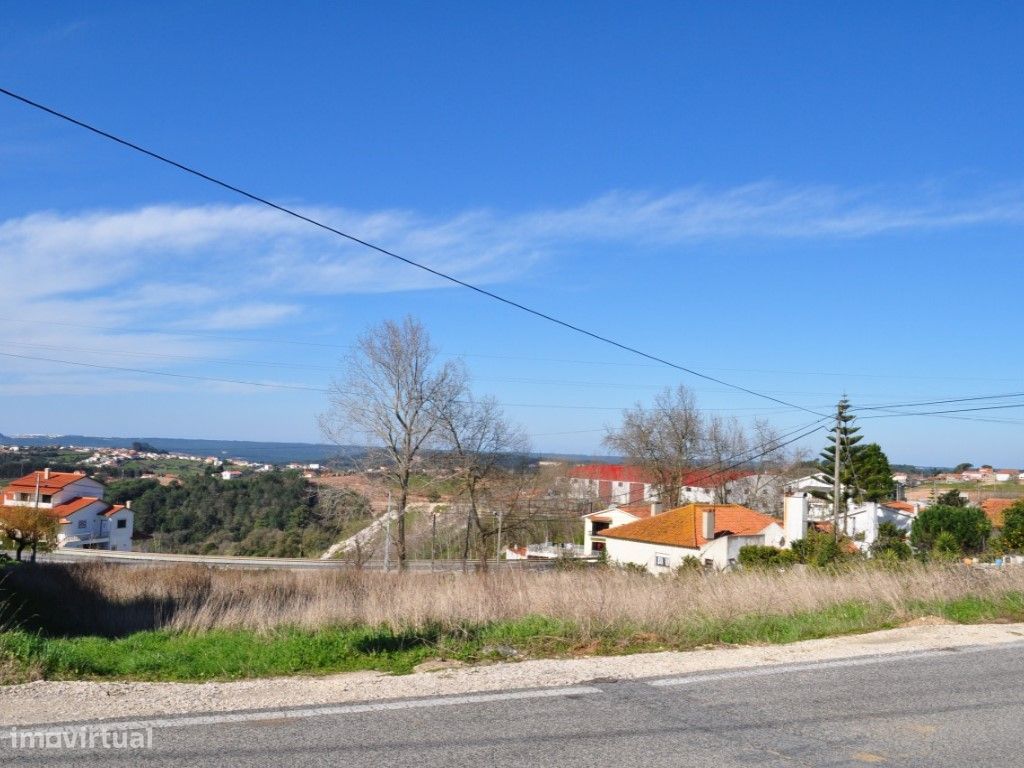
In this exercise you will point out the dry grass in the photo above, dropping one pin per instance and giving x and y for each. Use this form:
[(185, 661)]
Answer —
[(116, 600)]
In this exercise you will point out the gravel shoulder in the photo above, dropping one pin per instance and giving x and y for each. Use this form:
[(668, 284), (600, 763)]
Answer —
[(51, 702)]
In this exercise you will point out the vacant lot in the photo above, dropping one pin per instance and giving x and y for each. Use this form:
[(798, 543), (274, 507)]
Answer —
[(195, 623)]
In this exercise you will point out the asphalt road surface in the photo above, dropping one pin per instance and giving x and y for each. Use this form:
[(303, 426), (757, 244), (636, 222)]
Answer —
[(939, 708)]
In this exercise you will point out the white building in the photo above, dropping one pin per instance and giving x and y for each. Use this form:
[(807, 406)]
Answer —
[(860, 522), (84, 519), (596, 523), (623, 484), (712, 533)]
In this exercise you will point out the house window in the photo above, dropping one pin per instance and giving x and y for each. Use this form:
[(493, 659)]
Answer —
[(47, 498), (82, 523), (22, 497), (122, 523), (661, 561)]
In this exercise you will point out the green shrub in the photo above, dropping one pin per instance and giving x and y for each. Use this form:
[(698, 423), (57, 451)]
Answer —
[(759, 556), (891, 543), (1013, 527), (968, 529), (946, 547), (819, 549)]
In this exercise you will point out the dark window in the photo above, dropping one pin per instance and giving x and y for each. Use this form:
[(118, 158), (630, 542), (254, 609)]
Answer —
[(47, 498), (122, 523)]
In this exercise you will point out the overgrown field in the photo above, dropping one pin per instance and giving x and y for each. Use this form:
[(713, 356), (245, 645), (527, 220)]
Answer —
[(190, 622)]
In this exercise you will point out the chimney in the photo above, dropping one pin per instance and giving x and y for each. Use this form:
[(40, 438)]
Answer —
[(794, 516), (707, 528), (46, 474), (128, 504), (656, 508)]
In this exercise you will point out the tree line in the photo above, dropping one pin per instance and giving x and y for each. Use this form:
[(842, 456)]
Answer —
[(274, 514)]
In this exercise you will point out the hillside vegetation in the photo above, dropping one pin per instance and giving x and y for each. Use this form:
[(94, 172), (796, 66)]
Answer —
[(274, 514)]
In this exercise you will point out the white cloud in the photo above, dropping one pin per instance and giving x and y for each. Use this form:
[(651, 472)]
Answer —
[(244, 266)]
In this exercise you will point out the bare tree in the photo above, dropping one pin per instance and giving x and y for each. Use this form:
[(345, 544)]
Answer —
[(480, 440), (773, 464), (395, 391), (664, 440), (724, 442)]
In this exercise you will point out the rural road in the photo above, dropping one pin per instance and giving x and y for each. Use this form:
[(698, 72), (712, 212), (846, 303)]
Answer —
[(940, 707)]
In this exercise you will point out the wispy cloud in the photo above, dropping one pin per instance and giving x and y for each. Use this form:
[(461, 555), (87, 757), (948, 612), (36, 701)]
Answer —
[(246, 267)]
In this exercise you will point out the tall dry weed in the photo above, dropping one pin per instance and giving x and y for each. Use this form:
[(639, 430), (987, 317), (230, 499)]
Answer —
[(113, 599)]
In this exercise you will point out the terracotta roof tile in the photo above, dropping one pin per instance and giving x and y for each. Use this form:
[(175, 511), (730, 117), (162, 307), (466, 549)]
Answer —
[(995, 508), (903, 506), (625, 473), (50, 485), (680, 527)]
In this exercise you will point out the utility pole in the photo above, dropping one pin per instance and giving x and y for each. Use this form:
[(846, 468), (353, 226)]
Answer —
[(387, 537), (433, 536), (497, 549), (836, 485)]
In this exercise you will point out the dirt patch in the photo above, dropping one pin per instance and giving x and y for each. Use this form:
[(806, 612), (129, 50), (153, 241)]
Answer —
[(13, 671), (438, 665), (929, 621)]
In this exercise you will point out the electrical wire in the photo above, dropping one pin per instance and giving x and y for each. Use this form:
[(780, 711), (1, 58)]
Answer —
[(391, 254)]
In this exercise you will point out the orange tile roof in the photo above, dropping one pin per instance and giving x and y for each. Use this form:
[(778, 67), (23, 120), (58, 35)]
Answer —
[(48, 485), (680, 527), (75, 504), (903, 506), (995, 508), (639, 510)]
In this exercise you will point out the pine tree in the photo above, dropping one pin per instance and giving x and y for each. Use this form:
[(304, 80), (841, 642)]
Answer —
[(873, 473), (848, 454)]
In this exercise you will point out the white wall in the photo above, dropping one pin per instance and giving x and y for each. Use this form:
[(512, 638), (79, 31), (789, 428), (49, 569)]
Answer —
[(120, 538)]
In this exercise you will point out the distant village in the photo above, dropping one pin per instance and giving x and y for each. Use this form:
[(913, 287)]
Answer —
[(624, 521)]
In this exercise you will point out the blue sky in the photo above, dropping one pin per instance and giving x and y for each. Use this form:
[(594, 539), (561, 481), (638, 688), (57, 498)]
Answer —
[(803, 198)]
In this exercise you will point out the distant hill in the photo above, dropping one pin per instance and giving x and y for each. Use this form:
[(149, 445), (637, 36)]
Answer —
[(267, 453)]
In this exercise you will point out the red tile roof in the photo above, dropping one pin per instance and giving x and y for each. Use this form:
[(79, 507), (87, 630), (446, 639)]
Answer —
[(77, 503), (681, 527), (903, 506), (640, 510), (50, 485), (995, 508), (625, 473)]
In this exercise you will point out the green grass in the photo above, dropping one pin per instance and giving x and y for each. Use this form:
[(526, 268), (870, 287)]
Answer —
[(225, 655)]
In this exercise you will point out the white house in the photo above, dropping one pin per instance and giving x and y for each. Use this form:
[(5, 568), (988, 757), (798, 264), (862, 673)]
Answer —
[(860, 521), (84, 519), (712, 533), (624, 484), (596, 523)]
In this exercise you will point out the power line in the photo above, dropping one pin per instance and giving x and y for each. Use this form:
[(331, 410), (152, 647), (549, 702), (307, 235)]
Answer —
[(571, 361), (168, 373), (391, 254), (741, 458), (303, 387), (937, 402), (940, 413)]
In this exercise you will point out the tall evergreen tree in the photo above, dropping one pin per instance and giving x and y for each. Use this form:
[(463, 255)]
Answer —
[(873, 473), (849, 449)]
